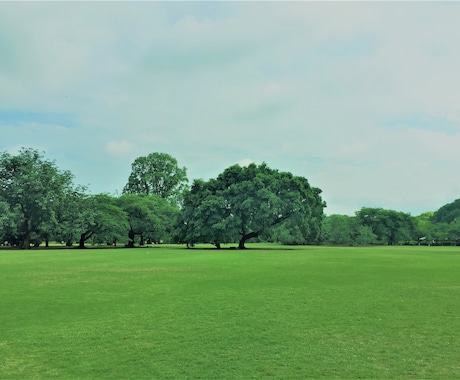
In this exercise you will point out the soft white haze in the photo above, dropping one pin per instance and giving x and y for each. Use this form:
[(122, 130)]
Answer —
[(361, 98)]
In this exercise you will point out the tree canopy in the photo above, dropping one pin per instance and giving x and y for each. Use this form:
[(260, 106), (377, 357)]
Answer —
[(149, 217), (447, 213), (157, 174), (39, 202), (388, 226), (246, 202), (34, 188)]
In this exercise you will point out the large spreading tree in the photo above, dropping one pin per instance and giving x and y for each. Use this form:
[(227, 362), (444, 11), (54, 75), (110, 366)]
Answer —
[(157, 174), (248, 202)]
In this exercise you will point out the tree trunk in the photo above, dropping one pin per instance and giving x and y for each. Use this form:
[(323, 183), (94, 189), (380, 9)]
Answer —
[(246, 237), (83, 238), (25, 244), (26, 241), (217, 245), (131, 239)]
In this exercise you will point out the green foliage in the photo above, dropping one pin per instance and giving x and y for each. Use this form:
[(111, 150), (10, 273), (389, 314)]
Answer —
[(109, 223), (35, 189), (390, 227), (73, 217), (150, 217), (346, 230), (247, 202), (446, 224), (157, 174), (447, 213), (6, 220)]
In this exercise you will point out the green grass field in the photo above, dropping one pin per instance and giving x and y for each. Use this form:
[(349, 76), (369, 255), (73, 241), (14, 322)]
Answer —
[(172, 313)]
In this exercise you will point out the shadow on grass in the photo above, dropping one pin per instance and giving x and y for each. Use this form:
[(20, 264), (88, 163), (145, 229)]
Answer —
[(264, 247)]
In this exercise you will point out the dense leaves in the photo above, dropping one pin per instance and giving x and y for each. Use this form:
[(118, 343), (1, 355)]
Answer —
[(157, 174), (39, 203), (246, 202), (149, 217), (390, 227), (35, 189)]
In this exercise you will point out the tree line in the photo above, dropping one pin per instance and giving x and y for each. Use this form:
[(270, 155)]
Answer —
[(39, 203), (389, 227)]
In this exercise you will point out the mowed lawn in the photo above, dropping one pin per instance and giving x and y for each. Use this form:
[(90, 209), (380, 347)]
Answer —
[(286, 313)]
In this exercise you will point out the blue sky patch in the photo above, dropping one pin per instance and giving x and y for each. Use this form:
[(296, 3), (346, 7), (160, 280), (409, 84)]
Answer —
[(438, 124), (16, 117)]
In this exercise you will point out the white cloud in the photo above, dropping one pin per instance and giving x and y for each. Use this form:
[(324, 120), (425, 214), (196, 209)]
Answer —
[(245, 162), (308, 87), (119, 147)]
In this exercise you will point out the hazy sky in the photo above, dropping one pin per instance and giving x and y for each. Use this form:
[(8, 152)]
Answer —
[(361, 98)]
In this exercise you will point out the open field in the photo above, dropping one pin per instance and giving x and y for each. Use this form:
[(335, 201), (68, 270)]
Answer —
[(168, 312)]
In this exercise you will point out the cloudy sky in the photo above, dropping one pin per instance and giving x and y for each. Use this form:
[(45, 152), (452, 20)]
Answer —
[(361, 98)]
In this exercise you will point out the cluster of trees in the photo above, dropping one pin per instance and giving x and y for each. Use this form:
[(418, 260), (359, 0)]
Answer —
[(40, 203), (381, 226)]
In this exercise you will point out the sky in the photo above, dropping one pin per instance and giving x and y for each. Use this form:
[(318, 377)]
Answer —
[(361, 98)]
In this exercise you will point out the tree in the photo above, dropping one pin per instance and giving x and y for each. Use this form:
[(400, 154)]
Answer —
[(390, 227), (446, 224), (425, 228), (74, 215), (33, 188), (157, 174), (447, 213), (106, 221), (99, 218), (346, 230), (338, 229), (6, 220), (149, 217), (203, 216), (246, 202)]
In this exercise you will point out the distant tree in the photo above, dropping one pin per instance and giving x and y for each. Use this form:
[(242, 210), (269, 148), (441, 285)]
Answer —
[(425, 228), (74, 215), (33, 187), (346, 230), (6, 220), (447, 213), (446, 224), (246, 202), (364, 235), (339, 229), (149, 217), (106, 223), (157, 174), (390, 227)]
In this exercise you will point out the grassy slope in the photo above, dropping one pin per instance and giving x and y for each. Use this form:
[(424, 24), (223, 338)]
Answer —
[(314, 312)]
